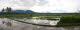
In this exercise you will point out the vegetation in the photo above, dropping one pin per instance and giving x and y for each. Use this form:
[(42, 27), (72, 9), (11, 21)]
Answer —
[(15, 15), (7, 10), (69, 20), (3, 10), (68, 24)]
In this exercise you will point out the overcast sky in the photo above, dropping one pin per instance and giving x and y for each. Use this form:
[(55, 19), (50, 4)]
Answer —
[(54, 6)]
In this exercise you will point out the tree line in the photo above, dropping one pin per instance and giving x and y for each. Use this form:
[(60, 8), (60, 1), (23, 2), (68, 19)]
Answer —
[(8, 9)]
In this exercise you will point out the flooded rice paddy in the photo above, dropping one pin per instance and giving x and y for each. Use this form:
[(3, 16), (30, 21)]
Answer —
[(8, 24)]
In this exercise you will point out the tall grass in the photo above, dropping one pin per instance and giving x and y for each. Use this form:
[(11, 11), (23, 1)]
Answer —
[(70, 20)]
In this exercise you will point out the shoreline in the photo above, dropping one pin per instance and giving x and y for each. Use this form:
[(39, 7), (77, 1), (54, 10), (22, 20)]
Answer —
[(48, 25)]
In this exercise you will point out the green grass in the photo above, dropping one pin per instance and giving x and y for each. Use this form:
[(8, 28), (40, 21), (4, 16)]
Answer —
[(70, 20), (68, 24), (15, 15)]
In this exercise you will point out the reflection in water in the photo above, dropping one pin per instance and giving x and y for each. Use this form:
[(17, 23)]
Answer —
[(1, 28), (8, 24), (3, 22)]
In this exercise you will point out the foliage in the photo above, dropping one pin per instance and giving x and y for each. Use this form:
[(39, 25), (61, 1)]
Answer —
[(8, 9), (3, 10), (15, 15), (69, 20), (68, 24)]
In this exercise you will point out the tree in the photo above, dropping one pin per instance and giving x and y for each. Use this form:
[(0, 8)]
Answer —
[(8, 9), (3, 10)]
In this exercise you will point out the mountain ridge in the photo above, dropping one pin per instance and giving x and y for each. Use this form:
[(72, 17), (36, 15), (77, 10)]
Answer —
[(22, 11)]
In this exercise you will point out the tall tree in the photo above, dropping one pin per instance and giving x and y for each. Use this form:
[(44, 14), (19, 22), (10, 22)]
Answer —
[(3, 10), (8, 9)]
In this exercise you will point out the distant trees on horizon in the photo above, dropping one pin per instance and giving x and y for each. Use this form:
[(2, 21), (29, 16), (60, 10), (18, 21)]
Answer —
[(8, 9)]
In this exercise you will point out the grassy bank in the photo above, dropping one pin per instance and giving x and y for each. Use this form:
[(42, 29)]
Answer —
[(15, 15), (71, 20)]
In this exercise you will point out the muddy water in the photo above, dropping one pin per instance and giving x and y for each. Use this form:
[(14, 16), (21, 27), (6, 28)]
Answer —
[(8, 24)]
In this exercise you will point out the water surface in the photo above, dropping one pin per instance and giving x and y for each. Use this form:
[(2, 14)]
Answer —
[(8, 24)]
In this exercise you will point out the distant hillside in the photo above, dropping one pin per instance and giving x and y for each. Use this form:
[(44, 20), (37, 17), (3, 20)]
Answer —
[(22, 11), (29, 11)]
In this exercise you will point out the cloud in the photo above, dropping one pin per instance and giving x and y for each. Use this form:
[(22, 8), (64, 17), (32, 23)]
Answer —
[(17, 4), (55, 6)]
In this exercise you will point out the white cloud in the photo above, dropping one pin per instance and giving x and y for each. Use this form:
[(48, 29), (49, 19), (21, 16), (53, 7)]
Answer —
[(54, 6), (57, 5)]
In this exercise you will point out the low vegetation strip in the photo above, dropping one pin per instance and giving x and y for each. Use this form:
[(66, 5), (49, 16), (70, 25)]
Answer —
[(15, 15), (68, 24)]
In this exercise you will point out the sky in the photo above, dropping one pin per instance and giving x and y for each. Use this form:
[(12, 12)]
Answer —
[(43, 6)]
